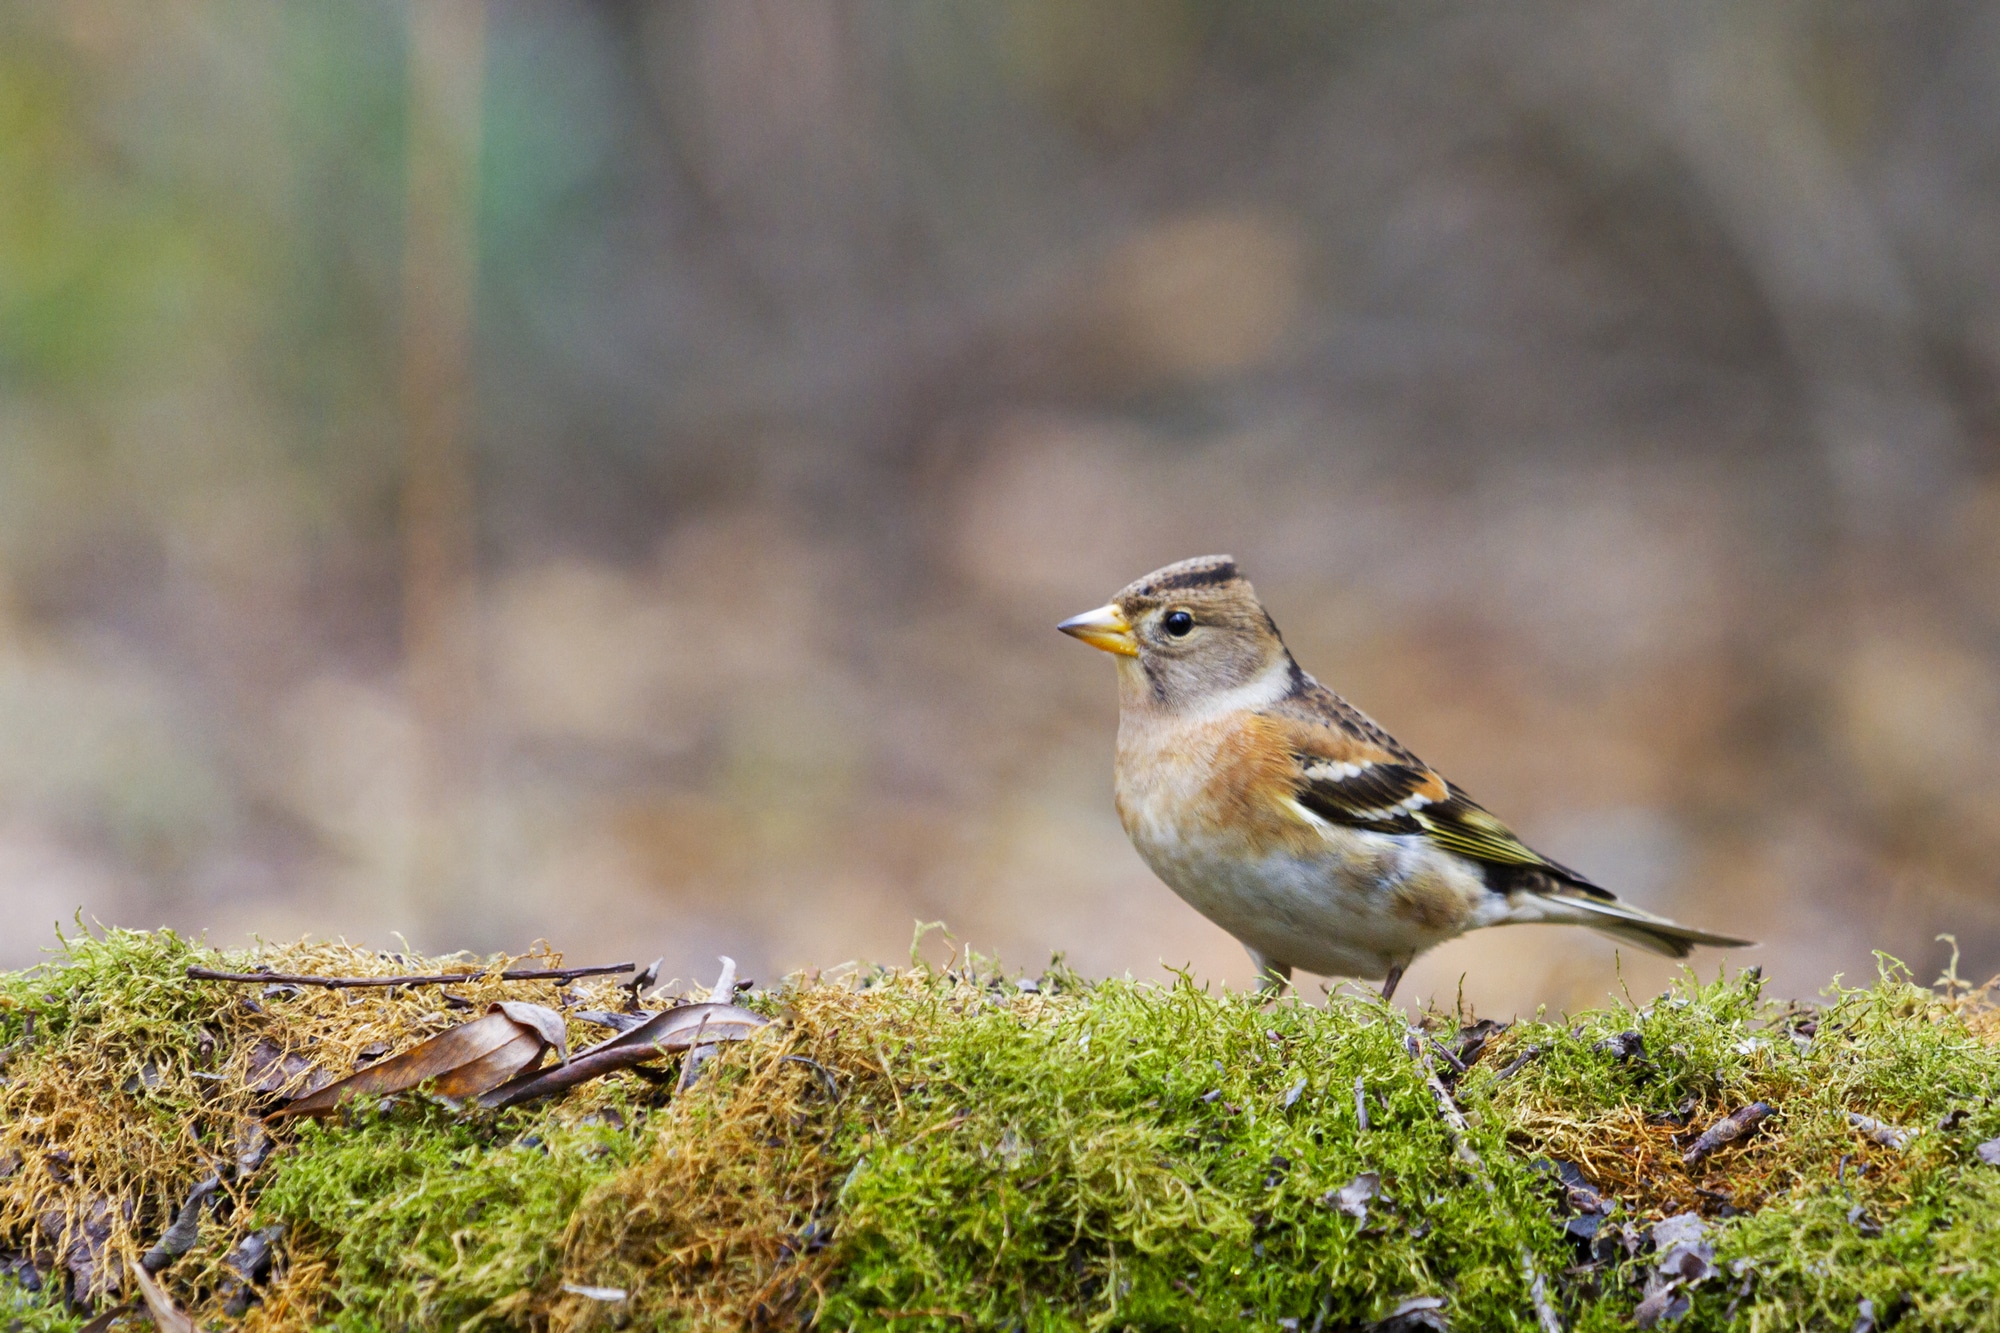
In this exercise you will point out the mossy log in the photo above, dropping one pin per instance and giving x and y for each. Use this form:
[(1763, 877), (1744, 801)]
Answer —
[(954, 1147)]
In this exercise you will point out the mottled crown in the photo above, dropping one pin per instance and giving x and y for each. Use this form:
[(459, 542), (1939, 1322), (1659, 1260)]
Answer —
[(1204, 571)]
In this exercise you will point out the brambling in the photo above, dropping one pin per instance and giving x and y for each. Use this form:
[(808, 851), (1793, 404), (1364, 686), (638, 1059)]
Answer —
[(1283, 814)]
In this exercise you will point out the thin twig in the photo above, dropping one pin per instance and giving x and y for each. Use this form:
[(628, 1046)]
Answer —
[(440, 979), (1516, 1065), (1737, 1124), (1450, 1059), (1461, 1137), (1889, 1136)]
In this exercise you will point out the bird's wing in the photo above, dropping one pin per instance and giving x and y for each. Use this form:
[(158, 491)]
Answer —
[(1350, 772)]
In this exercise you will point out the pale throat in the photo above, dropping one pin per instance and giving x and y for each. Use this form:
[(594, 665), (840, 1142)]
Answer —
[(1136, 698)]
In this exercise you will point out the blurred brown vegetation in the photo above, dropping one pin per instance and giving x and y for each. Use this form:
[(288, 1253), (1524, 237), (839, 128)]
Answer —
[(1605, 397)]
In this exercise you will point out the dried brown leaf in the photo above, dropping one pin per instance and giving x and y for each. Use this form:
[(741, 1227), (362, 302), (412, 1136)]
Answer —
[(539, 1019), (167, 1317), (1354, 1197), (110, 1317), (463, 1061), (273, 1069), (86, 1251), (668, 1030), (185, 1229)]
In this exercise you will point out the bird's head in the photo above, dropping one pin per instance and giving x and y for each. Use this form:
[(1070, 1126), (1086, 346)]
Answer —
[(1186, 635)]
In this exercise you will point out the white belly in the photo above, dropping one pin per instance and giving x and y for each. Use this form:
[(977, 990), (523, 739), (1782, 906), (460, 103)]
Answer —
[(1365, 903)]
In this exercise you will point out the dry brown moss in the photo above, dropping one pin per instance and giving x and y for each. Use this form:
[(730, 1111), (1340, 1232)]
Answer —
[(1885, 1053), (1637, 1160), (133, 1083), (715, 1226), (726, 1222)]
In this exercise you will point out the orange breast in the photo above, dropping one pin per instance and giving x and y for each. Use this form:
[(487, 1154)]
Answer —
[(1218, 780)]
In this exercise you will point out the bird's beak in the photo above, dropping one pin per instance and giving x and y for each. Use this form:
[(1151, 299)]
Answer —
[(1105, 628)]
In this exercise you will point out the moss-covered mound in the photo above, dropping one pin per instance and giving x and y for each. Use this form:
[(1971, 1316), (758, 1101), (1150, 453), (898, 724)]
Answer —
[(956, 1148)]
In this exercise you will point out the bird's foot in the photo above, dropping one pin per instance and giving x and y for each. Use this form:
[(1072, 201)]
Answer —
[(1272, 976)]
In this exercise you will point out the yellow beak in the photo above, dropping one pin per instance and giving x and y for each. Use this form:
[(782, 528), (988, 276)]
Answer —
[(1105, 628)]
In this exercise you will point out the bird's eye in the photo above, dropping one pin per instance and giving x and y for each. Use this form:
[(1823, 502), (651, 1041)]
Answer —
[(1178, 623)]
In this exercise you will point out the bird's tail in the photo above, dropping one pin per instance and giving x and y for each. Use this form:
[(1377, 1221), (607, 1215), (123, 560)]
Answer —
[(1621, 921)]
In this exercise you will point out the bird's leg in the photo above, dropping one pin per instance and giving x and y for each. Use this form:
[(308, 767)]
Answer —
[(1389, 982), (1272, 975)]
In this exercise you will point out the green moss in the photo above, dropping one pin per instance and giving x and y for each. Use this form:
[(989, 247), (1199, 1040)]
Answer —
[(919, 1149), (436, 1221), (129, 988), (1128, 1160), (1837, 1217), (36, 1312)]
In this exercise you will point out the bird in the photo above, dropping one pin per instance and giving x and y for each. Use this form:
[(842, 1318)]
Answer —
[(1292, 820)]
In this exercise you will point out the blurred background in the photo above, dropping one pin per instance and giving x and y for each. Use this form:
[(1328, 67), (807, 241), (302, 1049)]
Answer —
[(609, 472)]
